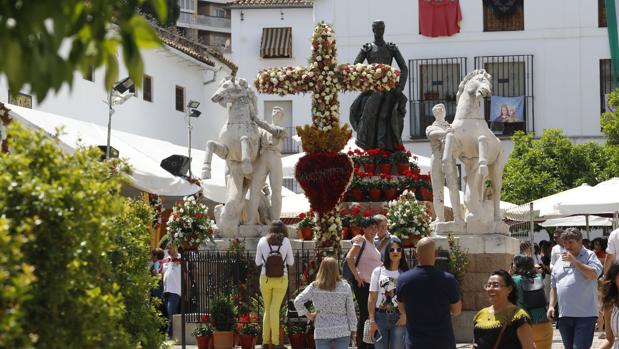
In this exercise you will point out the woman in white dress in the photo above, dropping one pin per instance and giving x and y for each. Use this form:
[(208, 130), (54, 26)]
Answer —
[(610, 301)]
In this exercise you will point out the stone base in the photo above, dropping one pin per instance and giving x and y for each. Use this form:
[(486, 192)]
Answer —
[(251, 244), (463, 326), (477, 228), (176, 330), (250, 231)]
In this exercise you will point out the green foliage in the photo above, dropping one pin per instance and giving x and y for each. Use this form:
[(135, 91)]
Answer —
[(252, 328), (174, 11), (223, 312), (538, 168), (204, 329), (16, 278), (78, 230), (458, 260), (49, 40)]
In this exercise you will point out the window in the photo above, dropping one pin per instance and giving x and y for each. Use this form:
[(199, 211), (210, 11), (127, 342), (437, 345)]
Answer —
[(147, 88), (276, 43), (289, 144), (503, 15), (606, 83), (187, 5), (433, 81), (511, 106), (219, 12), (602, 14), (180, 98)]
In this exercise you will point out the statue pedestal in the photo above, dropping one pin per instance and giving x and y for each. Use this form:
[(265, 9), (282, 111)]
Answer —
[(476, 228), (486, 253)]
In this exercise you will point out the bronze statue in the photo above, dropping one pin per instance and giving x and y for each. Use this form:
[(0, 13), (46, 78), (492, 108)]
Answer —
[(378, 117)]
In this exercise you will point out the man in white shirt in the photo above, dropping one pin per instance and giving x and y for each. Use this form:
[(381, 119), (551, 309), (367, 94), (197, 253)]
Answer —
[(558, 249), (171, 273), (612, 250)]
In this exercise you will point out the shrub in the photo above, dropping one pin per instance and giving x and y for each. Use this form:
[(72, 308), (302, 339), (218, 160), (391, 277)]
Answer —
[(223, 312)]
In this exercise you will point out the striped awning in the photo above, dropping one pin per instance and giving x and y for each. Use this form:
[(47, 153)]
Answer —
[(276, 42)]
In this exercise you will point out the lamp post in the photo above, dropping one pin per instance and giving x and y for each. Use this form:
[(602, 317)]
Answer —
[(192, 112), (118, 95)]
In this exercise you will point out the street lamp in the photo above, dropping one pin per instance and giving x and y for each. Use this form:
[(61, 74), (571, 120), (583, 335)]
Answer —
[(120, 93), (192, 112)]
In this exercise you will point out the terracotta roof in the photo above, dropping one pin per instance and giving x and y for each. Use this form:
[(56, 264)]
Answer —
[(193, 49), (270, 3)]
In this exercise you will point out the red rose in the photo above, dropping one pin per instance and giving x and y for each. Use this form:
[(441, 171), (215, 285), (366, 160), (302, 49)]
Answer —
[(302, 215)]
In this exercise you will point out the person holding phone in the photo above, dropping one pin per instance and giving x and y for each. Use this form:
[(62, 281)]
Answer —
[(387, 317), (335, 321)]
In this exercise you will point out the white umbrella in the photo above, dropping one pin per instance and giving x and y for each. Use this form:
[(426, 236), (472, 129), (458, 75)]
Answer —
[(544, 207), (578, 221), (602, 198)]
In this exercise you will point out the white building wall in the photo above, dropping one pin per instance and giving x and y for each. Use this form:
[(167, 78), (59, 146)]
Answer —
[(246, 37), (157, 119)]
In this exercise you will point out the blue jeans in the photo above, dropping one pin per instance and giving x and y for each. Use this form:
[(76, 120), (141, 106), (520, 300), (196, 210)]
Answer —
[(333, 343), (172, 300), (393, 336), (577, 332)]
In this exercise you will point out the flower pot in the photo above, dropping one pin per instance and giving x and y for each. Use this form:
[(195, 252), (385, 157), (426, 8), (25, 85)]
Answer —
[(403, 167), (356, 231), (204, 342), (375, 194), (307, 233), (223, 340), (357, 194), (369, 168), (390, 194), (247, 341), (297, 340), (346, 233), (385, 169), (311, 344)]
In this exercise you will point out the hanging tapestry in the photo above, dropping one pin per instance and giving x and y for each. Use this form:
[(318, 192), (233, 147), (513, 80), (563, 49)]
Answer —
[(439, 17), (504, 8), (507, 109)]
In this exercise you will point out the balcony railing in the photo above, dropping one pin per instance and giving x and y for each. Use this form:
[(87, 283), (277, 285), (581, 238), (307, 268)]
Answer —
[(202, 20)]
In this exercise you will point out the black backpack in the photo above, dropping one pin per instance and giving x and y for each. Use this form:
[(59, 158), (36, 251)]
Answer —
[(274, 263), (533, 293), (346, 272)]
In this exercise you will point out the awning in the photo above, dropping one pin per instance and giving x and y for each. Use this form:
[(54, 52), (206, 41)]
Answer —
[(276, 42)]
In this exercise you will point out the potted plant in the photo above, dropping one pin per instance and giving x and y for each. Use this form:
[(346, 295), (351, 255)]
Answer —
[(390, 185), (401, 157), (189, 225), (357, 185), (358, 158), (204, 333), (223, 312), (356, 220), (248, 334), (296, 334), (408, 219), (374, 186), (306, 225), (383, 159)]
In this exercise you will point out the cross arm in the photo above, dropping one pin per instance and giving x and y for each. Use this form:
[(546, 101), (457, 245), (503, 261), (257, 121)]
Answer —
[(286, 80), (368, 77)]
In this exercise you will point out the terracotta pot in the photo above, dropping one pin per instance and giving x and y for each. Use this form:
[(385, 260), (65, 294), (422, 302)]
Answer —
[(403, 167), (356, 231), (385, 169), (223, 340), (311, 344), (247, 341), (390, 194), (297, 340), (346, 233), (375, 194), (357, 194), (307, 233), (369, 168), (204, 342)]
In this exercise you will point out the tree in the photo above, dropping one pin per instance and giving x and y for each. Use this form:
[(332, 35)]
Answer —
[(45, 42), (538, 168), (174, 11), (610, 127)]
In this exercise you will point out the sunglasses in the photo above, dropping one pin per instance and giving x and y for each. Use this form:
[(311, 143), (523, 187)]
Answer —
[(493, 285), (395, 249)]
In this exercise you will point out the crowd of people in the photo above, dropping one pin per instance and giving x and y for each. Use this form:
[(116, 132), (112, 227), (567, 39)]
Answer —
[(570, 282)]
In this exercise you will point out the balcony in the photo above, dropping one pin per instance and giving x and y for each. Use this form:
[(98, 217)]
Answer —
[(209, 23)]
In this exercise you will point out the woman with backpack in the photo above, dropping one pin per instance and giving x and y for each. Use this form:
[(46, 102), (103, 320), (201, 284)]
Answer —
[(362, 259), (274, 254), (532, 298), (335, 321)]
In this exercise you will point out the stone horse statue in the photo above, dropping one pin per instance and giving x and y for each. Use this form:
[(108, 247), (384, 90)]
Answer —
[(239, 145), (472, 142)]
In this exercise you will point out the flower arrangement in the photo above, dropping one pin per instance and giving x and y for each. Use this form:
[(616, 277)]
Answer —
[(380, 156), (373, 182), (189, 223), (359, 157), (249, 328), (307, 219), (400, 155), (357, 215), (204, 328), (390, 182), (407, 217)]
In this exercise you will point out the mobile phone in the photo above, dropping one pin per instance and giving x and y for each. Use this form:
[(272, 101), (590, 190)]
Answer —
[(377, 336)]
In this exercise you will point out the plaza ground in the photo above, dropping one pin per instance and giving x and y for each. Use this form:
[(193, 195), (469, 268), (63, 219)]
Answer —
[(556, 343)]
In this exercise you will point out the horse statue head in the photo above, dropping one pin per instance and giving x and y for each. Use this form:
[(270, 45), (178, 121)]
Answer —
[(229, 90), (476, 84)]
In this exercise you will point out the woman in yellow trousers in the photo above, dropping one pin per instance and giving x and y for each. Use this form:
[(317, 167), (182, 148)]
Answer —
[(274, 255), (532, 298)]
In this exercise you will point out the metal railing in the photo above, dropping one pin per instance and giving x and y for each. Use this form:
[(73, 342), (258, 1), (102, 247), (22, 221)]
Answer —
[(202, 20)]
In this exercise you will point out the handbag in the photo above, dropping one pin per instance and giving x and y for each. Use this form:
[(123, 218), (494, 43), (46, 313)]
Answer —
[(346, 272), (366, 332)]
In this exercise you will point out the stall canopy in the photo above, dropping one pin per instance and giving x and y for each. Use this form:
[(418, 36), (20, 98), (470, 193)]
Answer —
[(544, 207), (600, 199), (578, 221)]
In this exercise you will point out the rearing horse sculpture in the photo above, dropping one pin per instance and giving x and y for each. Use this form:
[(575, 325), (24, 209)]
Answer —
[(480, 150)]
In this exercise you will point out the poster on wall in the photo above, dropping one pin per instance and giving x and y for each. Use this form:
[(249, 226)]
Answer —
[(507, 109)]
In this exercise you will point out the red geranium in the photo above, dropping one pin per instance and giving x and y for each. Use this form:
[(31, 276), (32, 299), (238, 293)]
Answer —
[(204, 318)]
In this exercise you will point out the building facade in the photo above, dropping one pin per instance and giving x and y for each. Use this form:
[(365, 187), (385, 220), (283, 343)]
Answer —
[(206, 21)]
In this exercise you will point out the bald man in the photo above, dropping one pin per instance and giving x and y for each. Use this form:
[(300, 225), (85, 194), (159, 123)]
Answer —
[(430, 297)]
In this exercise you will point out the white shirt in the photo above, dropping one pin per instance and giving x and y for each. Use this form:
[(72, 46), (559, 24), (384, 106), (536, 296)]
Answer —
[(171, 269), (555, 253), (613, 244), (262, 252), (384, 282)]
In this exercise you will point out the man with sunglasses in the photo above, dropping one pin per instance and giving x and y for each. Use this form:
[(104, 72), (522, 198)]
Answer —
[(430, 297)]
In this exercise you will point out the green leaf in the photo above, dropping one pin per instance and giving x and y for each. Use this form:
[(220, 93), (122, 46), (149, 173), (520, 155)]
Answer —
[(143, 33), (161, 8)]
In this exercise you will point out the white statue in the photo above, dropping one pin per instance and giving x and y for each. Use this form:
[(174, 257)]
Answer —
[(472, 142), (269, 163), (239, 145), (436, 133)]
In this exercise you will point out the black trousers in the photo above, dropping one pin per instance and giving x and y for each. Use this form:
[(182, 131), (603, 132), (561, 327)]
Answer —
[(361, 295)]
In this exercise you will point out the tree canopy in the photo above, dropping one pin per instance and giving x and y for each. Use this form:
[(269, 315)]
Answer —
[(45, 42)]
